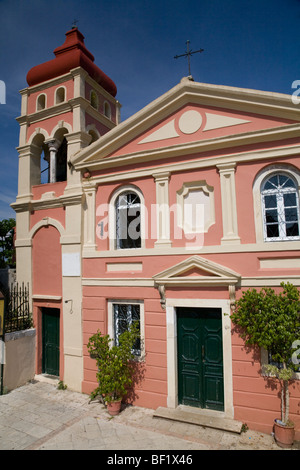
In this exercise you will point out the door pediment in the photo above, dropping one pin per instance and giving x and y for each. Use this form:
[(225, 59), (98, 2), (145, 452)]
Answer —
[(196, 272)]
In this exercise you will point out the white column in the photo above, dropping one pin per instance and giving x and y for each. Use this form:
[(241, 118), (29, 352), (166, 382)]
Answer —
[(162, 209), (229, 210), (53, 147)]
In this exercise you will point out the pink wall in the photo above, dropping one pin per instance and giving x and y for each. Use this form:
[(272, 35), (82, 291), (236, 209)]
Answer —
[(46, 259), (152, 391), (47, 281), (40, 189), (50, 94)]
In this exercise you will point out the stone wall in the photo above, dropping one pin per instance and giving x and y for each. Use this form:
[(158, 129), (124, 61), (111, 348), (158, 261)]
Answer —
[(19, 365)]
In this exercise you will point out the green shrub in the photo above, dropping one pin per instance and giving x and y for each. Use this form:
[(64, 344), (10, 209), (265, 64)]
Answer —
[(115, 363), (272, 321)]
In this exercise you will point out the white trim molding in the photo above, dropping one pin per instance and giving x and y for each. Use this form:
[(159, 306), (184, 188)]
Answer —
[(206, 201)]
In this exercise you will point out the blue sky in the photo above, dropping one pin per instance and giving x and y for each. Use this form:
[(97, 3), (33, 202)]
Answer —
[(250, 44)]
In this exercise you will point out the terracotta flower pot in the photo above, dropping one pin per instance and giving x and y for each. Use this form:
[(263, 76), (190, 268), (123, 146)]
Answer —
[(114, 407), (284, 435)]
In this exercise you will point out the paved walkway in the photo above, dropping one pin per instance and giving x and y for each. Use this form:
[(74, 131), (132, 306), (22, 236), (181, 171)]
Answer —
[(38, 416)]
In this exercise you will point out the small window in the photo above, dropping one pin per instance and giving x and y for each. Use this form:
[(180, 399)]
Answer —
[(128, 221), (280, 204), (266, 359), (60, 95), (123, 316), (94, 99), (107, 110), (41, 102)]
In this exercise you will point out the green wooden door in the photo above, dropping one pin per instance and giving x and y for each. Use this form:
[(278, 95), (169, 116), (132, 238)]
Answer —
[(50, 335), (200, 358)]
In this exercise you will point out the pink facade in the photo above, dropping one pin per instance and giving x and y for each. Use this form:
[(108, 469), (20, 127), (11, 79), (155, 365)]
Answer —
[(198, 147)]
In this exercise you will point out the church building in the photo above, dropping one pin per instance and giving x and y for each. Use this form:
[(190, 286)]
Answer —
[(165, 218)]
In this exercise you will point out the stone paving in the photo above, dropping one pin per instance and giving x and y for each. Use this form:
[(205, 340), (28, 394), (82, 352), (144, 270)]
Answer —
[(38, 416)]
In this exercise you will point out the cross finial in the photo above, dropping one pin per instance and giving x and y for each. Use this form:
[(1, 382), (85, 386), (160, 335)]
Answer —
[(74, 24), (188, 54)]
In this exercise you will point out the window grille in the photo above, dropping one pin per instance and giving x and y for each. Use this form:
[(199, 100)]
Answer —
[(124, 316), (280, 202)]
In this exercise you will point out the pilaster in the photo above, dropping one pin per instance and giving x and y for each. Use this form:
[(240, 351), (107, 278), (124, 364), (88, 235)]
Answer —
[(90, 217), (229, 208), (162, 209)]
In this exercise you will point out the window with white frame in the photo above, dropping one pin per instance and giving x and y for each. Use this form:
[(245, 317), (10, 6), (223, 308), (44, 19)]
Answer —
[(128, 220), (60, 95), (107, 110), (280, 206), (122, 314), (41, 102)]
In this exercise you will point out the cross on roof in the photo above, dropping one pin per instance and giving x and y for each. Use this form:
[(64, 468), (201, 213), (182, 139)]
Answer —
[(74, 24), (188, 54)]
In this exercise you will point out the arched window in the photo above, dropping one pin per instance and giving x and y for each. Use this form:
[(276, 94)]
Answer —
[(41, 102), (94, 99), (60, 95), (107, 110), (94, 134), (280, 206), (128, 220)]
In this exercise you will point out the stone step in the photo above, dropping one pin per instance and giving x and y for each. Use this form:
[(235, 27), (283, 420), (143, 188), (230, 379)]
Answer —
[(50, 379), (190, 416)]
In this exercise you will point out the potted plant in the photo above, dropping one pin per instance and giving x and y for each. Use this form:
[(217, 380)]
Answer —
[(272, 321), (115, 365)]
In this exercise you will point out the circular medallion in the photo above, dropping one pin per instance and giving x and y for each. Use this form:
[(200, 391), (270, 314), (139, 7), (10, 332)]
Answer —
[(190, 122)]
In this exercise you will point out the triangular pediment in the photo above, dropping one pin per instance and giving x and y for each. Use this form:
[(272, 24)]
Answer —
[(197, 271), (192, 117)]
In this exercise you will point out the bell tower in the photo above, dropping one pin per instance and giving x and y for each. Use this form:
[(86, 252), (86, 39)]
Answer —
[(69, 104)]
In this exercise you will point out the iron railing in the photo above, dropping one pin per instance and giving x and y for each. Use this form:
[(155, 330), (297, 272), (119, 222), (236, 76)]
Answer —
[(17, 312)]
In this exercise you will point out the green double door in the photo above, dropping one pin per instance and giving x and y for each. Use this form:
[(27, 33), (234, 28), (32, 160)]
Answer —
[(200, 358), (50, 341)]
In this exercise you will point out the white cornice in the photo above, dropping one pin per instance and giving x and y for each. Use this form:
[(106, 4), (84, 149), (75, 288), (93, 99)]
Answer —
[(48, 201), (197, 163), (47, 84), (45, 113), (199, 146), (288, 246)]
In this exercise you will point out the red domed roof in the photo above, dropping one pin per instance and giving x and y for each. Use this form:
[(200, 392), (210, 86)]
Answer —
[(70, 55)]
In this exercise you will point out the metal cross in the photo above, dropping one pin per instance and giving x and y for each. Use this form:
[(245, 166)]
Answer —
[(74, 25), (188, 54)]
